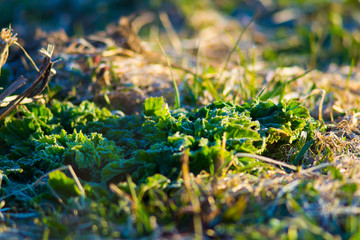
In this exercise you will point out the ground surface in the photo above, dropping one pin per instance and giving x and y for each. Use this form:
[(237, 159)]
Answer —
[(214, 119)]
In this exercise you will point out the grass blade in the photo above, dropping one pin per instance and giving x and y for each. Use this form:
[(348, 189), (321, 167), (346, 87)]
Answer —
[(177, 95)]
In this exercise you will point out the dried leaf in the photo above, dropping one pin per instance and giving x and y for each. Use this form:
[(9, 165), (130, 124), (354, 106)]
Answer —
[(6, 39)]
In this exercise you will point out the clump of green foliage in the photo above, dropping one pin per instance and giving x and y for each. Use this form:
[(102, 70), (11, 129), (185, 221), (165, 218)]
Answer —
[(162, 136), (38, 142), (102, 147)]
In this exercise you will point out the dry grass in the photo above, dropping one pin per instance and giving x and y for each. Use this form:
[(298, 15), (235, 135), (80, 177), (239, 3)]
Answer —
[(322, 200)]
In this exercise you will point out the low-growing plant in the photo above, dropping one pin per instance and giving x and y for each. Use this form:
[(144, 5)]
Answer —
[(102, 147)]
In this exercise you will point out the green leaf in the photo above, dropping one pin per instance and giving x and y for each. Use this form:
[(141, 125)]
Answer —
[(302, 152), (154, 106), (71, 116), (181, 141), (64, 186), (9, 166)]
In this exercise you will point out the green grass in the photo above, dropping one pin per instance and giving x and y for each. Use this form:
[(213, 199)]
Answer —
[(251, 153)]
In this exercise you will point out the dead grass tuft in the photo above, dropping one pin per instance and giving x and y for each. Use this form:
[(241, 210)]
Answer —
[(7, 37)]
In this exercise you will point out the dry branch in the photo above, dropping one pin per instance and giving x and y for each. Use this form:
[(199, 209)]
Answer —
[(37, 85)]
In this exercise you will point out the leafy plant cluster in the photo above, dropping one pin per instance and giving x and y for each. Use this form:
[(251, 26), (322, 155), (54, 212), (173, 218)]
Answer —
[(103, 147), (38, 142)]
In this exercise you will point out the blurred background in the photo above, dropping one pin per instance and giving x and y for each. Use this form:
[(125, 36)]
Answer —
[(314, 33)]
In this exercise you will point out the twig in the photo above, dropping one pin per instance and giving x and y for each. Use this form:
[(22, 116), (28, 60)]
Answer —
[(267, 160), (27, 55), (12, 88), (315, 168)]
